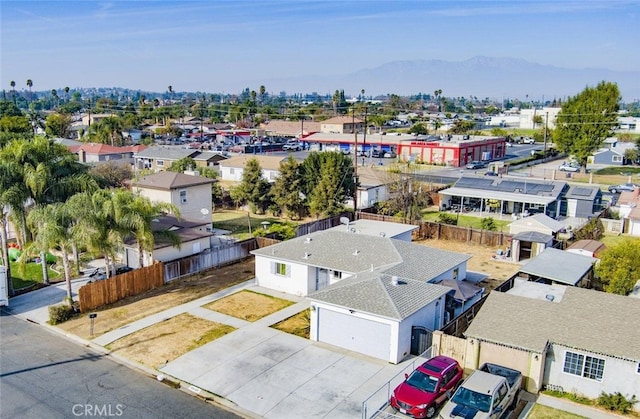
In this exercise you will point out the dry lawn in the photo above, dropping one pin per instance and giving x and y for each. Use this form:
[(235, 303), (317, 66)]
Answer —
[(481, 259), (298, 324), (166, 341), (154, 301), (248, 305)]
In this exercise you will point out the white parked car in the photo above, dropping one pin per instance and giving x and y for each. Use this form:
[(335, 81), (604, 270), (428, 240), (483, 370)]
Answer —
[(569, 167)]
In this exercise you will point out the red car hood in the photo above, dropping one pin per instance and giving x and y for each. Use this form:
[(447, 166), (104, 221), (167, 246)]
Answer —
[(411, 395)]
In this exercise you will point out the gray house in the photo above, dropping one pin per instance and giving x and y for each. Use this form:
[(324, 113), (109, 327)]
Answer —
[(581, 341), (612, 152), (581, 201)]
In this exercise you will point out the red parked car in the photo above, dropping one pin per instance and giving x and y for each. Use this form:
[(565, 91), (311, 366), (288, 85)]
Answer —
[(427, 388)]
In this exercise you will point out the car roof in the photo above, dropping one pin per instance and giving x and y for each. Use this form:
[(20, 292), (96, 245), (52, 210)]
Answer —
[(436, 365)]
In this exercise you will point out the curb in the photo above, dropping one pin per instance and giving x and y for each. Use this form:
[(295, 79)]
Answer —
[(183, 386)]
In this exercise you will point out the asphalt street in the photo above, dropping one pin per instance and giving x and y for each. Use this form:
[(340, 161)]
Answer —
[(44, 375)]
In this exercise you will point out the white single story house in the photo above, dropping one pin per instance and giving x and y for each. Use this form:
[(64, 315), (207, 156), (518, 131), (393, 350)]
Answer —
[(374, 314), (195, 237), (232, 168), (371, 293), (579, 340)]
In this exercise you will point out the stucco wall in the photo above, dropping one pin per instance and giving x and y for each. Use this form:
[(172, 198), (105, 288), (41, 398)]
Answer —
[(187, 249), (426, 317), (296, 282), (618, 375)]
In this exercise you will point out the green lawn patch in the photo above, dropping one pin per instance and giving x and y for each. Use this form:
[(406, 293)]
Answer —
[(544, 412), (238, 222), (32, 275), (468, 220)]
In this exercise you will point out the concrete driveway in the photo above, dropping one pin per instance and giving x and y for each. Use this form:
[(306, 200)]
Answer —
[(272, 374)]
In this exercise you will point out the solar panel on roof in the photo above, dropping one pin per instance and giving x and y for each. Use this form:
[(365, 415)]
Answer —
[(508, 186), (582, 192), (469, 182)]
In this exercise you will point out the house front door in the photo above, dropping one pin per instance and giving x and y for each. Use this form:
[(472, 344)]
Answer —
[(322, 278)]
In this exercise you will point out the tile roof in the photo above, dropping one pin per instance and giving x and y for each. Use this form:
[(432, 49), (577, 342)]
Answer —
[(583, 319), (266, 162), (170, 180), (96, 148), (378, 294), (560, 266), (353, 253)]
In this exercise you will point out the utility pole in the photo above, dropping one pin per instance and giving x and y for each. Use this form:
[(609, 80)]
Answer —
[(364, 138), (546, 125), (355, 162)]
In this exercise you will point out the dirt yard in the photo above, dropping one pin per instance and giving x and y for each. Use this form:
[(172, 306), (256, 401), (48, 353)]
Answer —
[(248, 305), (481, 259), (166, 341), (159, 299)]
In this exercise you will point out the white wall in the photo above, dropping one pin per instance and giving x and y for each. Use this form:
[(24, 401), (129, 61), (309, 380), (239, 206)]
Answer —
[(618, 376), (187, 249), (297, 281), (401, 344), (462, 274)]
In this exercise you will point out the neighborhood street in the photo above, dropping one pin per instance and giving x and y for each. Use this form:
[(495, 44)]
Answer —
[(43, 375)]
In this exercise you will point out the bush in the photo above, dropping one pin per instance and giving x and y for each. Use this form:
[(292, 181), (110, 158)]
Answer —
[(616, 402), (444, 218), (489, 224), (61, 313)]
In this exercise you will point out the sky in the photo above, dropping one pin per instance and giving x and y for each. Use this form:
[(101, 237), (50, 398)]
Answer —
[(219, 46)]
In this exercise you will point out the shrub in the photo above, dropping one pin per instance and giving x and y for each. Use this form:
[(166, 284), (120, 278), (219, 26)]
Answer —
[(488, 224), (444, 218), (616, 402), (61, 313)]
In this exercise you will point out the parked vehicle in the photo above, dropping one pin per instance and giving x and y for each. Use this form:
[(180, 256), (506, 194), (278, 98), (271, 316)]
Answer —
[(428, 386), (528, 140), (100, 273), (292, 146), (569, 167), (489, 392), (622, 187), (475, 165)]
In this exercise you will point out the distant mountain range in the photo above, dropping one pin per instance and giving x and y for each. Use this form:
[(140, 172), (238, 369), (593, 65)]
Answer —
[(478, 76)]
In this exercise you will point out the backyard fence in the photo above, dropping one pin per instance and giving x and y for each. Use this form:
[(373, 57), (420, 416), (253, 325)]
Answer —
[(438, 231), (99, 293)]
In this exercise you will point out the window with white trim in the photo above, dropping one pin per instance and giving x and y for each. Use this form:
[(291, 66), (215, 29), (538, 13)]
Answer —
[(159, 162), (183, 197), (616, 159), (281, 269), (583, 365)]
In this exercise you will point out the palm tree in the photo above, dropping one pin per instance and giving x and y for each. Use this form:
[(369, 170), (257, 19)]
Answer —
[(12, 195), (263, 90), (30, 85), (437, 94), (13, 91), (54, 225), (135, 215), (54, 94), (66, 93)]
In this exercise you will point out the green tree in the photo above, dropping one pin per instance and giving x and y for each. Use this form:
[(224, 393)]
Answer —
[(134, 215), (312, 170), (180, 165), (58, 125), (54, 225), (488, 223), (287, 189), (619, 267), (408, 197), (254, 189), (420, 128), (460, 126), (111, 174), (13, 194), (586, 119)]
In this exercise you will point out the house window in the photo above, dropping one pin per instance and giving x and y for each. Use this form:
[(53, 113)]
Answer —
[(231, 171), (616, 159), (183, 197), (159, 162), (638, 369), (455, 274), (584, 366), (281, 269)]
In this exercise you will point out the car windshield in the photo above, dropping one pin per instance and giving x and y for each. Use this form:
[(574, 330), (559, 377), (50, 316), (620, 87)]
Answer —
[(470, 398), (422, 381)]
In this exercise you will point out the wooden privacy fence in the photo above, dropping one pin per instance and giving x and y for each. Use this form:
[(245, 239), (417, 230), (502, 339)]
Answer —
[(107, 291), (438, 231)]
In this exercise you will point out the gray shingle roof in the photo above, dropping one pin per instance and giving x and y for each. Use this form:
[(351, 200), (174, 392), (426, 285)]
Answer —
[(375, 293), (558, 265), (543, 219), (353, 253), (583, 319), (533, 236), (170, 180)]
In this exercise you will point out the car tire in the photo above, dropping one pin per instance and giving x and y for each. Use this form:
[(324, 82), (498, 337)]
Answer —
[(614, 190), (430, 412)]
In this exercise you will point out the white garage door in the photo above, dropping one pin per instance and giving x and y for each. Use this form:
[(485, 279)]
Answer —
[(360, 335)]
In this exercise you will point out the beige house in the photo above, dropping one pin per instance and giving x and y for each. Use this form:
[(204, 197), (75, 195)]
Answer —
[(232, 168), (191, 194), (342, 125)]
